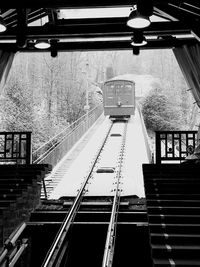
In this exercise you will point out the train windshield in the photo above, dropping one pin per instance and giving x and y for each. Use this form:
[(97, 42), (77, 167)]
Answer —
[(128, 88), (119, 88), (110, 89)]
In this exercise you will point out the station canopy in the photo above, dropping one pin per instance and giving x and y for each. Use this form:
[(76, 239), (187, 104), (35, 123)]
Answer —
[(74, 25), (97, 24)]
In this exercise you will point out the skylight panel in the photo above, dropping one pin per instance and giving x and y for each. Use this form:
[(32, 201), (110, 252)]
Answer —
[(93, 13), (39, 22), (100, 13)]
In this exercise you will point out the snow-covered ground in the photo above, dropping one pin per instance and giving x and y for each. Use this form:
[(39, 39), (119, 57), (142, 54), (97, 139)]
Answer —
[(102, 184)]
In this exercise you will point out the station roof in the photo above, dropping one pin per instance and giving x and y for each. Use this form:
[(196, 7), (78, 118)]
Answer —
[(96, 24)]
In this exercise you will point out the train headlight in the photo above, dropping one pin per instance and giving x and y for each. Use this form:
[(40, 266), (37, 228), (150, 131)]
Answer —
[(119, 103)]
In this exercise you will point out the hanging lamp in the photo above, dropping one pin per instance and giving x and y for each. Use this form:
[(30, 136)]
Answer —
[(42, 44), (138, 21), (2, 25), (138, 38), (141, 42)]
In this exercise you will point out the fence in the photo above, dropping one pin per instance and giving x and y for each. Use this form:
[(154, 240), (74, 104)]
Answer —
[(174, 145), (149, 152), (56, 148), (15, 147)]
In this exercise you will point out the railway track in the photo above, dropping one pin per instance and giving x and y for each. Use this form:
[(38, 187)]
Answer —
[(111, 234), (56, 255)]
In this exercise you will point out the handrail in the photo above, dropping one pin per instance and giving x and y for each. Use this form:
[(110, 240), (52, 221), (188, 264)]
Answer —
[(15, 147), (54, 145), (70, 127), (10, 243), (49, 146), (149, 152)]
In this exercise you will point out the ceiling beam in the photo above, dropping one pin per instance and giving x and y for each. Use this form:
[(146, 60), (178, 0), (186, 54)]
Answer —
[(186, 10), (21, 29), (163, 14), (192, 3), (91, 28), (33, 15), (102, 45), (74, 3), (176, 12), (52, 15), (196, 32)]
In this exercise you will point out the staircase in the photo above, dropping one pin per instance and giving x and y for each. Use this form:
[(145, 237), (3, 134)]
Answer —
[(173, 207), (20, 187)]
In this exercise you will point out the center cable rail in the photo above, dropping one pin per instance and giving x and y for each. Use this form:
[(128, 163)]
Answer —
[(111, 233), (56, 253)]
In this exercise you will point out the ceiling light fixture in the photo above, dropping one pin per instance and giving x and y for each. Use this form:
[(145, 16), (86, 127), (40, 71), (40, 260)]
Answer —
[(138, 21), (139, 43), (54, 50), (2, 25), (42, 44), (138, 39), (136, 50)]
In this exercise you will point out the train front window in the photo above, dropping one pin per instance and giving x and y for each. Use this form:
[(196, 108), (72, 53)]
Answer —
[(110, 90), (119, 88), (128, 89)]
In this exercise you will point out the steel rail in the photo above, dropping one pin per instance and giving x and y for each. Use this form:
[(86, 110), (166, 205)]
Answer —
[(10, 243), (52, 254), (19, 252), (111, 233)]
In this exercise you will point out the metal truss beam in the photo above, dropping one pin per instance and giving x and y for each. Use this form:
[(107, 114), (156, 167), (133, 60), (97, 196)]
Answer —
[(95, 28), (75, 3), (103, 45)]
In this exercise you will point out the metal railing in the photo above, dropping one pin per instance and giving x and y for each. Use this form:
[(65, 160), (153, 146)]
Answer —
[(174, 146), (14, 247), (56, 148), (147, 145), (15, 147)]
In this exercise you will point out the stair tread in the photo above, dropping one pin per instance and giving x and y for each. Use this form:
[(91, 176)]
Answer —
[(175, 224), (176, 247), (175, 215), (175, 235), (173, 195), (173, 200), (176, 262), (173, 207)]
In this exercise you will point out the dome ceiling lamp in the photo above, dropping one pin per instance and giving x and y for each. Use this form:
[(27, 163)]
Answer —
[(139, 16), (137, 20), (42, 44), (3, 26)]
